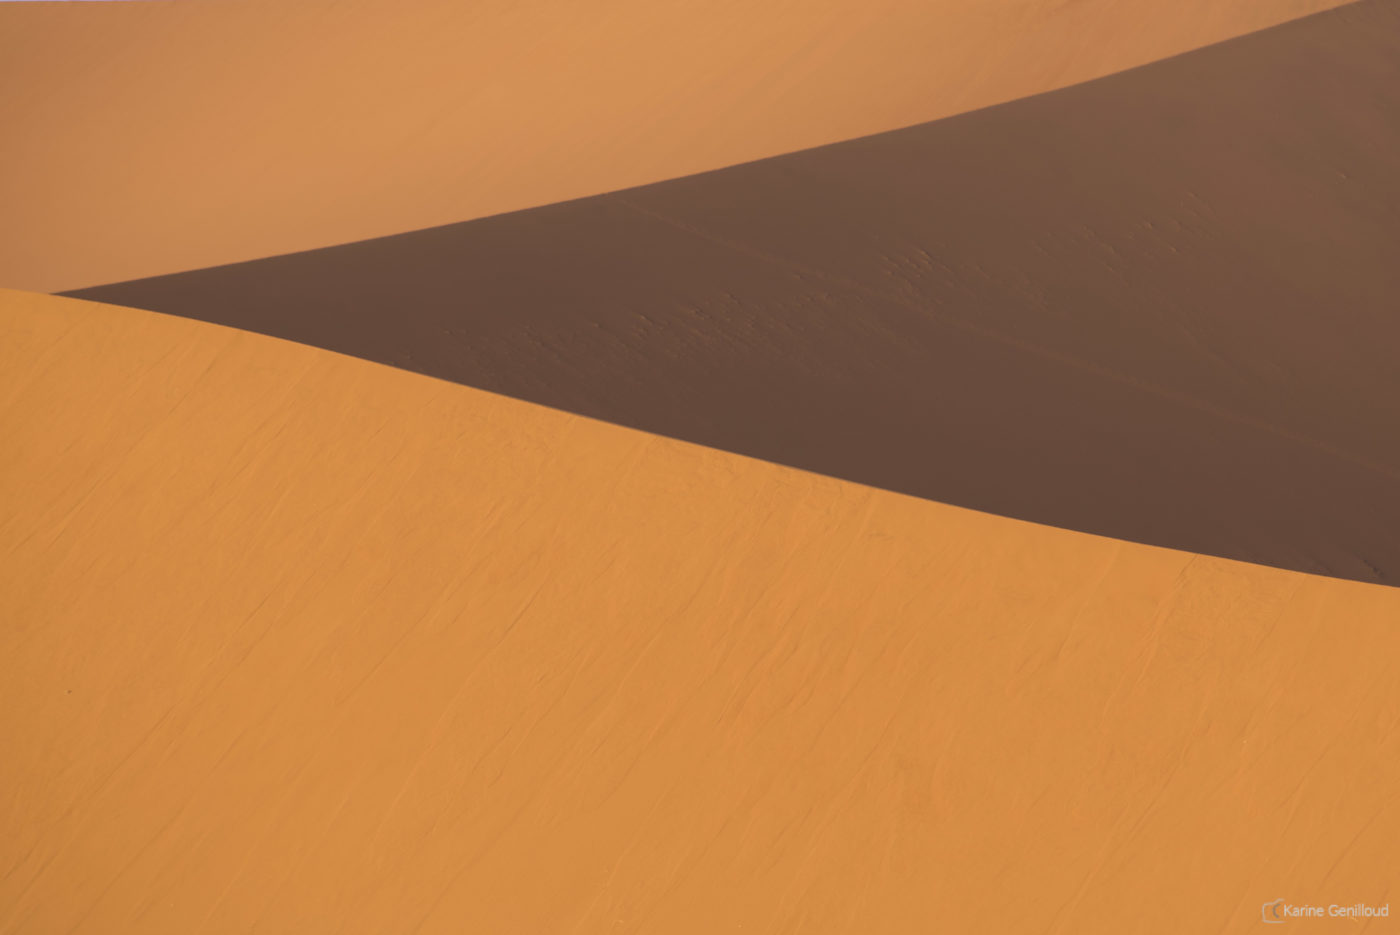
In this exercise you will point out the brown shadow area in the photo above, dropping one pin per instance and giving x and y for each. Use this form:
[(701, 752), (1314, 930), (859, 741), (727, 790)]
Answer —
[(1163, 306)]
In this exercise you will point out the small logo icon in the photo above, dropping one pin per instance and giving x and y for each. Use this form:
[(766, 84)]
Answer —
[(1273, 912)]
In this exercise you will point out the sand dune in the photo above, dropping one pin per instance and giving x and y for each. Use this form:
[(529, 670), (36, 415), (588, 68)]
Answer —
[(295, 642), (1160, 306), (145, 138)]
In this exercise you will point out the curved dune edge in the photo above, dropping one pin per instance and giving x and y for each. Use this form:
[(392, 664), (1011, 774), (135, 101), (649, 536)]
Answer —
[(298, 640), (298, 125), (1158, 307)]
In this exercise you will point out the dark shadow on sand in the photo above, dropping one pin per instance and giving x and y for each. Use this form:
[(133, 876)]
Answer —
[(1162, 306)]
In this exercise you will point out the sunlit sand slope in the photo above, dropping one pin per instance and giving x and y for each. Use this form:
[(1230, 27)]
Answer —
[(293, 642), (144, 138), (1161, 306)]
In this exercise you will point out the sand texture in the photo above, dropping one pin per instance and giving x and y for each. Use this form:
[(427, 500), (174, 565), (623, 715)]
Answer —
[(295, 642), (776, 467)]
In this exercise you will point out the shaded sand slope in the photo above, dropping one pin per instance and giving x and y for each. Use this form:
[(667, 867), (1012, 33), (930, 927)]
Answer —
[(294, 642), (1161, 306), (145, 138)]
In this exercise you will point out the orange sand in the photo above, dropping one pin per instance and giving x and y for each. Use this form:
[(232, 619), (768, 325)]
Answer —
[(298, 643), (145, 138)]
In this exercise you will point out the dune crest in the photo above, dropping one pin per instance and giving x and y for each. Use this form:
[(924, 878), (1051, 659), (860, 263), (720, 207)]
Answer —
[(297, 642), (136, 144)]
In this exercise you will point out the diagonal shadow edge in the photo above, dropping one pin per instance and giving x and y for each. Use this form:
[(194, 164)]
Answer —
[(1159, 306)]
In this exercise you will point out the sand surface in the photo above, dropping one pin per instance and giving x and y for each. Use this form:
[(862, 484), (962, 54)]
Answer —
[(145, 138), (1160, 306), (294, 642)]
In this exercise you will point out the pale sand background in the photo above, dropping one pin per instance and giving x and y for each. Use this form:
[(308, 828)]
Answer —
[(145, 138), (296, 640)]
